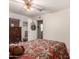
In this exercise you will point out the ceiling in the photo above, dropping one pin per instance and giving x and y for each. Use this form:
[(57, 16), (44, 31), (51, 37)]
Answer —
[(45, 5)]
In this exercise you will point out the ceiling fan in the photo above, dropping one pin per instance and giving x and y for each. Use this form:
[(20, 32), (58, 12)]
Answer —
[(28, 5)]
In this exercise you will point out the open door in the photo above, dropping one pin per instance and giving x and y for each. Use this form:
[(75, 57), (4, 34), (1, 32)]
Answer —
[(40, 29)]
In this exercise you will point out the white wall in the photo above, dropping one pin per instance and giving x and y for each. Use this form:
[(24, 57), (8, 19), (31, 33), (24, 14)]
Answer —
[(56, 26), (31, 34)]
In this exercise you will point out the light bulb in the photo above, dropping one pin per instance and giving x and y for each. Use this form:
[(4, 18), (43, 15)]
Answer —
[(12, 25), (28, 9)]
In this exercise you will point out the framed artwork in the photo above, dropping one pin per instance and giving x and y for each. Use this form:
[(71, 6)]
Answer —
[(25, 24)]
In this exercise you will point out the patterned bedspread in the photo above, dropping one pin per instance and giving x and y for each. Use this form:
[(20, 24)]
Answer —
[(44, 49)]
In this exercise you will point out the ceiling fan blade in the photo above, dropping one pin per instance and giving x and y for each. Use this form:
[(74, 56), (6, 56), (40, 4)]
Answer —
[(38, 7), (41, 7)]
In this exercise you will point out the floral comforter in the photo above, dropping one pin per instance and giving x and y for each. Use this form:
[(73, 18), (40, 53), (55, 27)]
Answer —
[(44, 49)]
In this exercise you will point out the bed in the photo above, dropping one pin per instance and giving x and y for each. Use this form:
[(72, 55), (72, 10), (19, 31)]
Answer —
[(43, 49)]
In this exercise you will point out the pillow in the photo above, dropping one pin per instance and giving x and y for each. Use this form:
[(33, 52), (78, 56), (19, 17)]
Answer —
[(16, 50)]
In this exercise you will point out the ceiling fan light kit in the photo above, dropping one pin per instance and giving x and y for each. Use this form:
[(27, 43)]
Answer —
[(28, 4)]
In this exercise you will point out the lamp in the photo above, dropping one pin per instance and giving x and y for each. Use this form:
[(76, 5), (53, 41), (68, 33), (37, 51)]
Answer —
[(12, 25)]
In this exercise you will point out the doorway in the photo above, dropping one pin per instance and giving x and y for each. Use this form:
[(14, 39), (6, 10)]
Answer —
[(40, 29)]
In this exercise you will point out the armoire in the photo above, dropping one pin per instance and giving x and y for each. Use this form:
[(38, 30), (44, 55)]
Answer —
[(14, 30)]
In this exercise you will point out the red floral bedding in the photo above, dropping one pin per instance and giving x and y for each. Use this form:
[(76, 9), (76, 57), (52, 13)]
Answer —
[(44, 49)]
